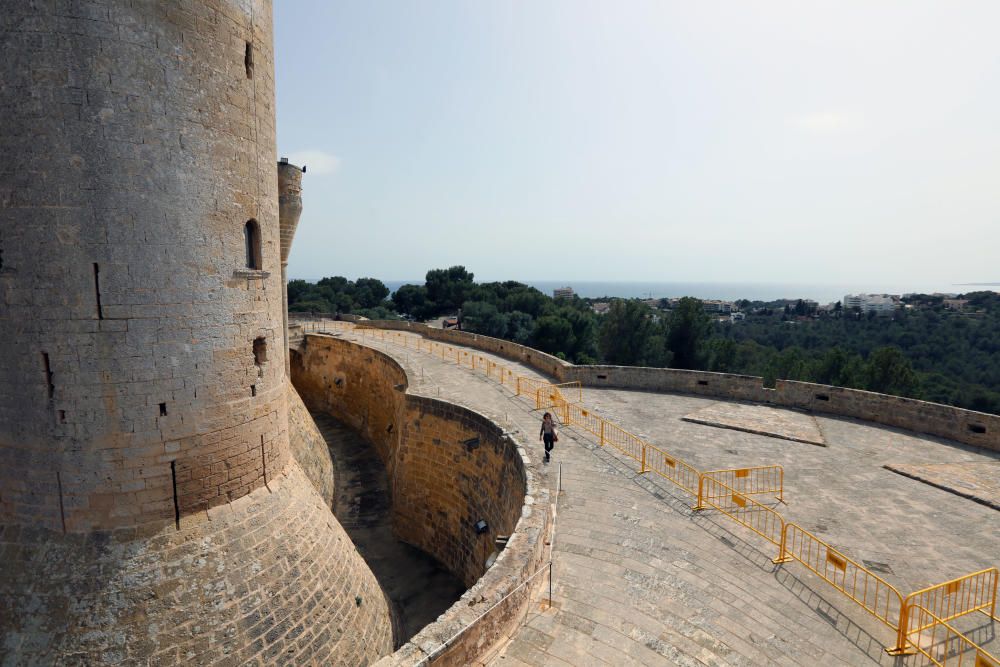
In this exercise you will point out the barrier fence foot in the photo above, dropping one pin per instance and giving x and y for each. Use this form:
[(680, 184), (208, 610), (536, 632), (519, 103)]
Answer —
[(783, 559), (895, 650), (699, 507)]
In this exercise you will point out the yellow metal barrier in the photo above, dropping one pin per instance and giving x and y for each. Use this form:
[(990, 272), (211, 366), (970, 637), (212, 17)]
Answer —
[(742, 509), (731, 490), (875, 595), (580, 416), (754, 481), (947, 601), (549, 397), (942, 644), (671, 468)]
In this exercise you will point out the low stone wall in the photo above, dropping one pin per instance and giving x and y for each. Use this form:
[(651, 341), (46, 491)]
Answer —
[(448, 468), (966, 426), (540, 361), (978, 429)]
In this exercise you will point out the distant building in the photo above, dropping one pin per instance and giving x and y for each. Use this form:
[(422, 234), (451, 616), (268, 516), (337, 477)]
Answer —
[(882, 304), (737, 317), (563, 293), (601, 307), (716, 306), (955, 304)]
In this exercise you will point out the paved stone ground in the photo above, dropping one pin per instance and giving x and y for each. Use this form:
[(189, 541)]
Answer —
[(976, 480), (418, 587), (641, 579), (760, 419)]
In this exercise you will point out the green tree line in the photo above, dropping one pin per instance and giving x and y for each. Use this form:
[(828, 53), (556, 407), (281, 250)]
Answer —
[(925, 352)]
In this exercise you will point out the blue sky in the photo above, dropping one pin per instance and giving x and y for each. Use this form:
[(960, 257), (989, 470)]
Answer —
[(783, 141)]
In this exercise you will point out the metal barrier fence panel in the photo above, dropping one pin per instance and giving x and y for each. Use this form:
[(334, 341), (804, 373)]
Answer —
[(873, 593), (580, 416), (949, 600), (744, 510), (628, 444), (573, 389), (757, 480), (672, 469), (942, 644)]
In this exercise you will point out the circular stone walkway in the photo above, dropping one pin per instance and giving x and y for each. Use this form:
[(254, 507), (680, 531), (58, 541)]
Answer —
[(642, 579)]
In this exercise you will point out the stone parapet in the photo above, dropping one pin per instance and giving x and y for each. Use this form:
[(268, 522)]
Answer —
[(969, 427)]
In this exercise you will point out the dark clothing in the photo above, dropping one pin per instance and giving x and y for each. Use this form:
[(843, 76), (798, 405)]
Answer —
[(549, 440)]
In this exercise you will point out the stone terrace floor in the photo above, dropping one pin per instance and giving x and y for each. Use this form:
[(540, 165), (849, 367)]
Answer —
[(642, 579)]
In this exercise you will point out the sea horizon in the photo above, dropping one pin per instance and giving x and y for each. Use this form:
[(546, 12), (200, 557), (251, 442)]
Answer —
[(730, 291)]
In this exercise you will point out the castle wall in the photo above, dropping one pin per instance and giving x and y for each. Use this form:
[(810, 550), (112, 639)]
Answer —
[(965, 426), (150, 510), (448, 468), (541, 361), (309, 447), (136, 147)]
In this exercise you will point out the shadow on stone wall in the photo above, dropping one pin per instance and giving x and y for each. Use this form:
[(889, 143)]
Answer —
[(448, 467)]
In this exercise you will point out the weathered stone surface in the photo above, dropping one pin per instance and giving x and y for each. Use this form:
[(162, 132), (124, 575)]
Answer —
[(966, 426), (270, 578), (642, 579), (143, 407), (759, 419), (309, 447), (976, 480), (448, 467)]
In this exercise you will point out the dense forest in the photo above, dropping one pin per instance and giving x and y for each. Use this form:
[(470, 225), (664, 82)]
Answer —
[(922, 350)]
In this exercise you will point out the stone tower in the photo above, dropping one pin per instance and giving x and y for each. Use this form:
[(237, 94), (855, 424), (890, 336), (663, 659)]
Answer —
[(289, 211), (147, 491)]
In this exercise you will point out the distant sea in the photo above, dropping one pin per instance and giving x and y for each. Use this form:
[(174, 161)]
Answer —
[(732, 291)]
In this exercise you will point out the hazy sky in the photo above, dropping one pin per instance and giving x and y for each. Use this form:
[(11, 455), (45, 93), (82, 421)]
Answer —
[(790, 141)]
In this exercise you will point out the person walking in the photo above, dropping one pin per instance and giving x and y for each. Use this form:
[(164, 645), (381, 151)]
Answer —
[(549, 434)]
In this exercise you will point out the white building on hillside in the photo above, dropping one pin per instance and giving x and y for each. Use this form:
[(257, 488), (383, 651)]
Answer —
[(563, 293), (882, 304)]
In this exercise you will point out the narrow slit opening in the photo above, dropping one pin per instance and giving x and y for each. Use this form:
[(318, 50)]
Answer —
[(62, 506), (263, 461), (248, 59), (177, 507), (48, 374), (163, 409), (97, 290)]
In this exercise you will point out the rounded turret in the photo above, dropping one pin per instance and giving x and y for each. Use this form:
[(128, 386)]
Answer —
[(143, 418)]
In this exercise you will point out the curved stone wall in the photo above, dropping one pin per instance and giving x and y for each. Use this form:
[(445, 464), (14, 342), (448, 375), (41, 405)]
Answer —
[(448, 467), (309, 448), (150, 509), (271, 578), (965, 426), (137, 144)]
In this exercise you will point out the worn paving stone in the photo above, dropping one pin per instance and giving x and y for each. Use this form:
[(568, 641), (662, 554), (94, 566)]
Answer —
[(975, 480), (760, 419), (663, 584)]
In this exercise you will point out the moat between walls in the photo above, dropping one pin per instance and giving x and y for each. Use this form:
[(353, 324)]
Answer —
[(447, 468)]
